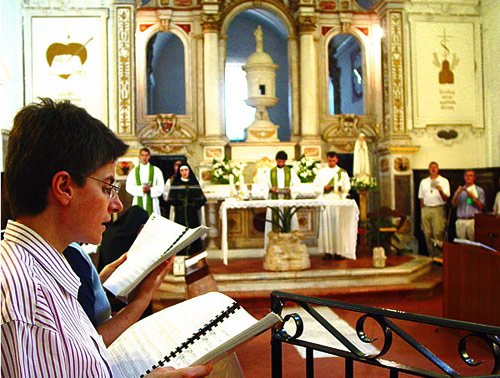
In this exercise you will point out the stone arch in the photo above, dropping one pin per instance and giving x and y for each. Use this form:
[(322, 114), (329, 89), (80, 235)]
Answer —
[(239, 6), (362, 41), (284, 15), (142, 40)]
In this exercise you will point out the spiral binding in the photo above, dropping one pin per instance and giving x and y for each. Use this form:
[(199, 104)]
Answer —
[(196, 336), (176, 240)]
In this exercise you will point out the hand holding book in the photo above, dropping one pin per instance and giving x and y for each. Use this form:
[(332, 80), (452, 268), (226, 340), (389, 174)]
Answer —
[(159, 239), (182, 335)]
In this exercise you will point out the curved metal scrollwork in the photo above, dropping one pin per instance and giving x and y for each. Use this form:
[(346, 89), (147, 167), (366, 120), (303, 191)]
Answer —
[(299, 328), (385, 329), (491, 341), (390, 329)]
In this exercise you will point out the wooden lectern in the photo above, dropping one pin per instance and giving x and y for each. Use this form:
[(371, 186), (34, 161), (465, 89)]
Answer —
[(471, 284), (487, 230)]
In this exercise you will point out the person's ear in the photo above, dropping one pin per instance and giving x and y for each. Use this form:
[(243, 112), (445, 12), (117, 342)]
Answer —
[(62, 187)]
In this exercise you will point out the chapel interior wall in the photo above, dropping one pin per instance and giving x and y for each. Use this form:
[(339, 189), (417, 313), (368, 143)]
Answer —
[(454, 153)]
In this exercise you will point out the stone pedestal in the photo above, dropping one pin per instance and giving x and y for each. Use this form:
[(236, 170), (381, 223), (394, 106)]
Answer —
[(362, 205), (379, 257), (286, 252), (254, 151), (213, 232)]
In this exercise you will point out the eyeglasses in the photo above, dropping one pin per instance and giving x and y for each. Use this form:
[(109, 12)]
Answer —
[(112, 190)]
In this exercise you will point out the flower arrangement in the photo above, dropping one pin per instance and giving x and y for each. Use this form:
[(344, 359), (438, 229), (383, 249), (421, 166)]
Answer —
[(219, 174), (364, 183), (306, 169)]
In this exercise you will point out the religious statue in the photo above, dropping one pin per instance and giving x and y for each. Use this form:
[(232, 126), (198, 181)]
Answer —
[(361, 165), (261, 77), (258, 39)]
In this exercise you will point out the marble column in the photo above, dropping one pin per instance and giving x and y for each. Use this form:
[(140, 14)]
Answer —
[(214, 140), (211, 77), (308, 78), (310, 142)]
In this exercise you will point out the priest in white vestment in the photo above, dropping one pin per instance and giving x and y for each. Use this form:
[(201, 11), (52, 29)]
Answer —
[(145, 183), (332, 182), (279, 183)]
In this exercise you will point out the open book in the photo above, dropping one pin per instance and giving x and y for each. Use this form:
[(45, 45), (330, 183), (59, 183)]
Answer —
[(159, 239), (192, 332)]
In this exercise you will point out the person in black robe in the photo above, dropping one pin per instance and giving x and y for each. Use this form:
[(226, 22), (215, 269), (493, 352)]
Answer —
[(116, 240), (186, 196), (120, 234)]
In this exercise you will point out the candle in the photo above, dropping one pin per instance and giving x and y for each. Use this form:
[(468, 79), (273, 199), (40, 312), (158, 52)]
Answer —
[(232, 189)]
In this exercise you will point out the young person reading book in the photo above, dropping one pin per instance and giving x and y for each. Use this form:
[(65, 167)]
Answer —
[(59, 175)]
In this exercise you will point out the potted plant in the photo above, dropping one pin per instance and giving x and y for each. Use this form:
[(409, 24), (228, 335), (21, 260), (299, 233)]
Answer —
[(379, 234)]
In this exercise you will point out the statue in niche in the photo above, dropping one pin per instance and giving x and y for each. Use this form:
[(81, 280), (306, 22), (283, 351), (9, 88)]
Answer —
[(361, 164), (261, 76)]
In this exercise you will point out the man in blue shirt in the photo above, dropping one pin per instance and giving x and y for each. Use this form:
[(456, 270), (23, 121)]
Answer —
[(468, 199)]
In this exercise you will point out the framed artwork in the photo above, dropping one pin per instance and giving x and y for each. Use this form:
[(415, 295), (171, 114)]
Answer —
[(66, 58), (446, 72)]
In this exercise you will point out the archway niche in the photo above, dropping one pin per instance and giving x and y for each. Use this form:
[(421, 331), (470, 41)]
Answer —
[(345, 75), (165, 74), (240, 44)]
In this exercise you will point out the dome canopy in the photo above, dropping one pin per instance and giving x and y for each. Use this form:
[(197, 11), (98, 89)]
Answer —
[(260, 57)]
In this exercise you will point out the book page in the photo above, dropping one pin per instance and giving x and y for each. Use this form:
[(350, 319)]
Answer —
[(159, 235), (150, 340)]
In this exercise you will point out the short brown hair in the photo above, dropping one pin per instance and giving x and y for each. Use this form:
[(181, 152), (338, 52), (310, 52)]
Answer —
[(49, 137)]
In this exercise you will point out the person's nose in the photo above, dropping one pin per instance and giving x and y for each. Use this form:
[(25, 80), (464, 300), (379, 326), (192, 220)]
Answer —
[(116, 206)]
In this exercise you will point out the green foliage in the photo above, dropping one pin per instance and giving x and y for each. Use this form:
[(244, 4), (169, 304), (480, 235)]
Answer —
[(376, 237), (282, 218)]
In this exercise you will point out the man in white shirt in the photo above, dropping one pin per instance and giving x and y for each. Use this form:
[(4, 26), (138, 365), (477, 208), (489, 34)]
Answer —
[(279, 184), (331, 182), (145, 183), (433, 193)]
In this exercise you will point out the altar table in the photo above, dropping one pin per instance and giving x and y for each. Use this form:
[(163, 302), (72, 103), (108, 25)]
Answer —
[(346, 210)]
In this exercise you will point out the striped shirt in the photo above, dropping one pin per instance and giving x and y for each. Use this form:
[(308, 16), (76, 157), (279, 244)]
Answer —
[(45, 332)]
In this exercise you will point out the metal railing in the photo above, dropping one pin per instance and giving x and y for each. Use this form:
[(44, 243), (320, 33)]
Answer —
[(487, 334)]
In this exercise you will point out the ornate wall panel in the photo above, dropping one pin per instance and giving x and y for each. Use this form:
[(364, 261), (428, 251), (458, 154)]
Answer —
[(446, 71), (396, 70), (124, 50)]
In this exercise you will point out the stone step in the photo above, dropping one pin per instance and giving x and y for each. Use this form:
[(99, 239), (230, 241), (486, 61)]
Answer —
[(348, 280)]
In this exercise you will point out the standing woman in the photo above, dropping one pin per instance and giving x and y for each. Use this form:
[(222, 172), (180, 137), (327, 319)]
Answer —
[(170, 210), (186, 196)]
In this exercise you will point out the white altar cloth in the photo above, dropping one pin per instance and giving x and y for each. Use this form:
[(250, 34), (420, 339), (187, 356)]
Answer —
[(346, 210)]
